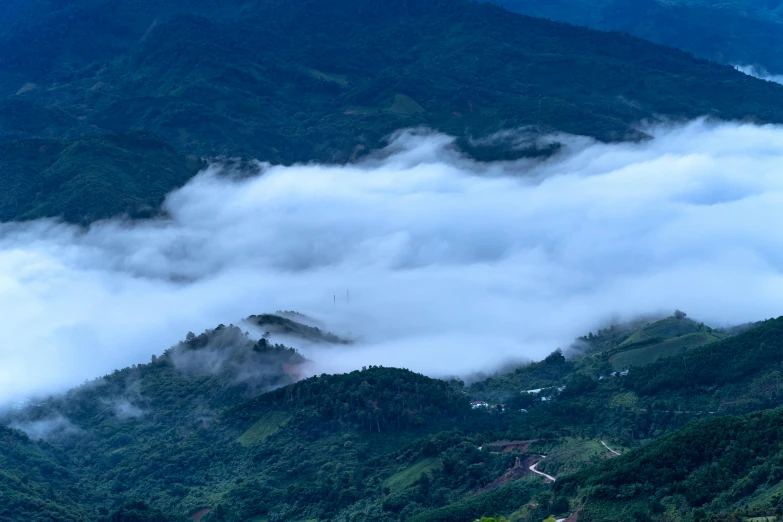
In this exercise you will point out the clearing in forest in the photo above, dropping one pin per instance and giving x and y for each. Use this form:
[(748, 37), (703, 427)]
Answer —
[(269, 424), (408, 476)]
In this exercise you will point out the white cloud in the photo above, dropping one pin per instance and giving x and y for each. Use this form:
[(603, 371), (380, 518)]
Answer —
[(759, 72), (124, 409), (47, 428), (452, 266)]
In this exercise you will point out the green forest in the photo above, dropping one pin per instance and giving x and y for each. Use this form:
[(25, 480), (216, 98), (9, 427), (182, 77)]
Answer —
[(314, 80), (221, 428), (107, 106), (738, 32)]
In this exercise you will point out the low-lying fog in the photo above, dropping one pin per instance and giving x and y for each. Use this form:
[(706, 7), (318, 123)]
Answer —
[(452, 266)]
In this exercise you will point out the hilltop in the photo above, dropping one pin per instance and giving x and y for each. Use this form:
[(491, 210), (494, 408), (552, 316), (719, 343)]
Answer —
[(111, 430), (224, 426), (615, 349)]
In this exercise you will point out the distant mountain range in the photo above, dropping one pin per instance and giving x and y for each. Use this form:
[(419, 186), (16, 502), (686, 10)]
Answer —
[(739, 32)]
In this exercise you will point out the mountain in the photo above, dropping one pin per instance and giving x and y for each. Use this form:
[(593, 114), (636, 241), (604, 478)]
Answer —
[(730, 465), (669, 382), (743, 32), (127, 431), (106, 106), (314, 80), (91, 178), (196, 432), (36, 482), (275, 81), (224, 428)]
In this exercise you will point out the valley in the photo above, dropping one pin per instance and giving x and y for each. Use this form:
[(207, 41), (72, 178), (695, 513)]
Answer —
[(436, 196)]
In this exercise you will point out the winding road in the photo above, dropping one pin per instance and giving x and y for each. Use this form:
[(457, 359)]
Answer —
[(610, 449), (534, 470)]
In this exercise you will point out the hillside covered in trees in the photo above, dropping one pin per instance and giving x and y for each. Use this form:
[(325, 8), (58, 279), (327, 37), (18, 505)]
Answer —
[(90, 178), (314, 80), (107, 106), (222, 427), (729, 465), (739, 32)]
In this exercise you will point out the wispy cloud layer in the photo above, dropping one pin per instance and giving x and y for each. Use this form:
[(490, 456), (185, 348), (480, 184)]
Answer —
[(452, 266), (758, 72)]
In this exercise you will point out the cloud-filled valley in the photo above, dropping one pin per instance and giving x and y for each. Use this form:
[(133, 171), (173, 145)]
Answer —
[(453, 266)]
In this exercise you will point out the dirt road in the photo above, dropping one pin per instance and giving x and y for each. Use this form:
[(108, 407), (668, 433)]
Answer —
[(610, 449), (549, 478)]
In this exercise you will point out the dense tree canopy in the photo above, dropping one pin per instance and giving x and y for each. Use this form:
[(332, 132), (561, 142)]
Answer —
[(275, 81)]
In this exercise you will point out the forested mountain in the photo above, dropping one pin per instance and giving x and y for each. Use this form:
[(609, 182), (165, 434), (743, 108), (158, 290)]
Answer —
[(132, 433), (108, 105), (325, 80), (743, 32), (90, 178), (185, 435), (35, 482), (731, 464), (197, 433)]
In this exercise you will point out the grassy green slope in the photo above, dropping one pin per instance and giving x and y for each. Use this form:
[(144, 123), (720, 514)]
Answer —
[(664, 329), (650, 353), (748, 355)]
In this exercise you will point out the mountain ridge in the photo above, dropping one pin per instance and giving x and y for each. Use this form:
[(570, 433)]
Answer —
[(735, 33)]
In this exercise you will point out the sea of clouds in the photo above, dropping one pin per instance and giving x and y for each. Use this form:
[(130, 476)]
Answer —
[(453, 266)]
